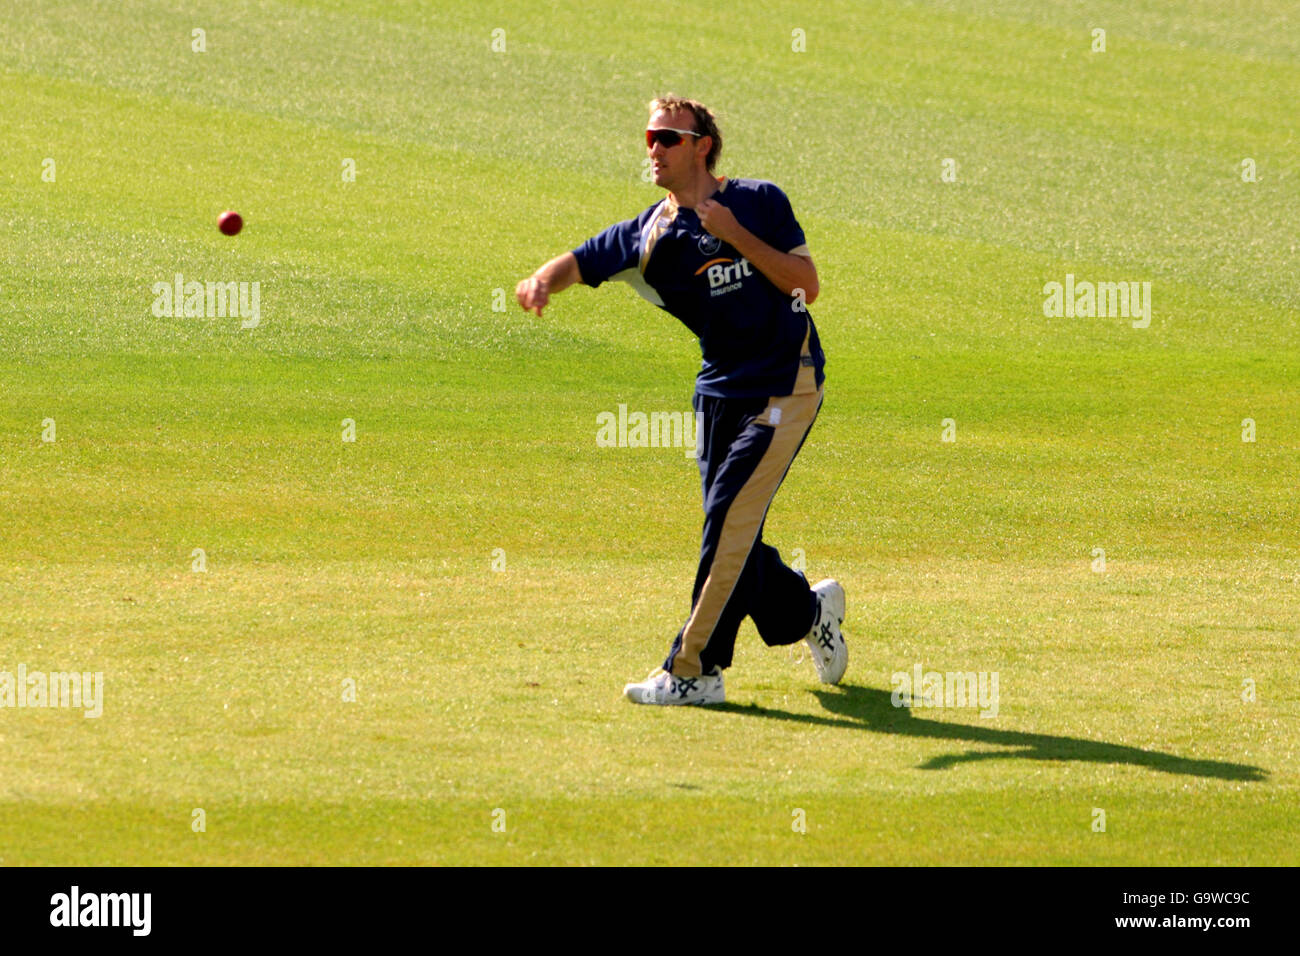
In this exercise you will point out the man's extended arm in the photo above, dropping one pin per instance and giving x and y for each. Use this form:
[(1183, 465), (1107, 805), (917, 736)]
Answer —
[(784, 270), (534, 293)]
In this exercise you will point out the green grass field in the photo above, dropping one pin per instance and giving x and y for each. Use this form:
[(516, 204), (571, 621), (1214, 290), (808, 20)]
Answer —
[(333, 564)]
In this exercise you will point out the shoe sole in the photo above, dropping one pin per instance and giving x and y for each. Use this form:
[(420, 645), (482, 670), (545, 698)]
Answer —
[(638, 698)]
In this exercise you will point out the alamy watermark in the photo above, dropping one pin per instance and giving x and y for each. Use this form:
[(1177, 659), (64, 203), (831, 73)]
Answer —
[(58, 689), (209, 300), (1105, 300), (130, 910), (653, 430), (922, 688)]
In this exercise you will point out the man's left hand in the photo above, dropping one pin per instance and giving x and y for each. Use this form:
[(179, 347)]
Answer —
[(718, 220)]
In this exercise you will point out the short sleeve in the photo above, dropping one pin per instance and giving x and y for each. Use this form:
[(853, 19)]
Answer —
[(783, 230), (609, 253)]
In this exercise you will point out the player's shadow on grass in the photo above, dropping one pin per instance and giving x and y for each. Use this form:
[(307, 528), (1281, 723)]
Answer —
[(865, 708)]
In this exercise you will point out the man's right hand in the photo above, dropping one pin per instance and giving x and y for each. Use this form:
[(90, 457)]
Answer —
[(533, 293)]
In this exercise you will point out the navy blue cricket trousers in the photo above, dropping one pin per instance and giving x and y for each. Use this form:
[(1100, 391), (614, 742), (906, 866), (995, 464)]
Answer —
[(745, 448)]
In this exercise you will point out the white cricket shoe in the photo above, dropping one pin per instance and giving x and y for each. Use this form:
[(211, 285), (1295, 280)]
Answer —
[(830, 655), (662, 687)]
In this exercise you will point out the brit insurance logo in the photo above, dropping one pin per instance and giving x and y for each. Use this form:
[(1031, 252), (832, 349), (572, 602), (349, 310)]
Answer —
[(725, 275), (709, 245)]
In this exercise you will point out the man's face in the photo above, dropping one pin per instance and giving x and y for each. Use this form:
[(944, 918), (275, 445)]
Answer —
[(673, 165)]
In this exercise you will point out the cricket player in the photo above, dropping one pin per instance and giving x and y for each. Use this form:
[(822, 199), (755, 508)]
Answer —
[(728, 258)]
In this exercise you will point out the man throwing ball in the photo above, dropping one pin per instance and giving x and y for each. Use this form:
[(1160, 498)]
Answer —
[(727, 257)]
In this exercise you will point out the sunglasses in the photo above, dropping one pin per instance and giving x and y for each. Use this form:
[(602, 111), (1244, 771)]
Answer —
[(667, 137)]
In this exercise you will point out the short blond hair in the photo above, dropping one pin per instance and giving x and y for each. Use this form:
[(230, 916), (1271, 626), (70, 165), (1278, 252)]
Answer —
[(706, 124)]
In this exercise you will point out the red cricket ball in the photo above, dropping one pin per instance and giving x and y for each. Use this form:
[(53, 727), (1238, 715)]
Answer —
[(230, 222)]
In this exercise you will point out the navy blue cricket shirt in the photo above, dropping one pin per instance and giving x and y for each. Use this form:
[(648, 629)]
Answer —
[(749, 331)]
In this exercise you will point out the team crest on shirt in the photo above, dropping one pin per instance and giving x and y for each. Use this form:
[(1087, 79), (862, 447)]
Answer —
[(709, 244)]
